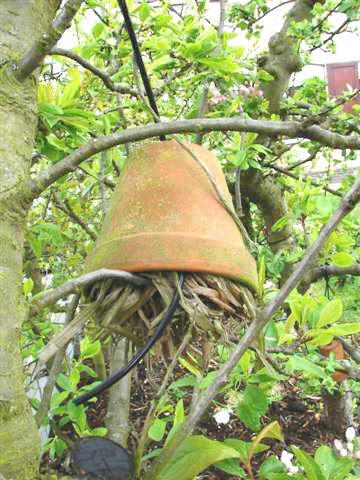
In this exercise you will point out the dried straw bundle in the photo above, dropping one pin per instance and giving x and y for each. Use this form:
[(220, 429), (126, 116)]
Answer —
[(213, 304)]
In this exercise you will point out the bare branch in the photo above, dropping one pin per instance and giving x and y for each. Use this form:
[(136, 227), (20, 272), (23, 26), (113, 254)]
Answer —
[(270, 128), (104, 76), (263, 316), (68, 210), (74, 286), (39, 50)]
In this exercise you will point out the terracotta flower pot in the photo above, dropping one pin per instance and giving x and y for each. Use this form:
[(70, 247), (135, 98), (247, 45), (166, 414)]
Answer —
[(165, 215), (335, 347)]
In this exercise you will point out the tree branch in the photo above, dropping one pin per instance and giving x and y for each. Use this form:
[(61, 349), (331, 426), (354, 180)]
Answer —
[(270, 128), (39, 50), (286, 172), (263, 316), (324, 271), (67, 209), (74, 286), (104, 76)]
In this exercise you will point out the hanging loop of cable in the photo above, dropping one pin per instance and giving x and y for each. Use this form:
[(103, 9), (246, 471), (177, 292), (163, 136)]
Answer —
[(138, 58)]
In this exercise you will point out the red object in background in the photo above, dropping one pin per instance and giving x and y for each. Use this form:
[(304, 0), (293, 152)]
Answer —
[(340, 75)]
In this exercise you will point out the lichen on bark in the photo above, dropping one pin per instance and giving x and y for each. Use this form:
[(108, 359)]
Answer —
[(21, 21)]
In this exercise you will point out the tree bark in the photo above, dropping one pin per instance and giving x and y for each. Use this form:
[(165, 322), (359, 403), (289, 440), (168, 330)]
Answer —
[(117, 418), (21, 21)]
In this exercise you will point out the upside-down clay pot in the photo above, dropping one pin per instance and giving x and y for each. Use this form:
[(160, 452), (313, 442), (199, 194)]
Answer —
[(335, 347), (165, 215)]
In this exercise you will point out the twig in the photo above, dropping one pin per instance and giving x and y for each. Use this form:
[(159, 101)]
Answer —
[(104, 76), (67, 209), (46, 298), (204, 103), (308, 159), (106, 181), (286, 172), (39, 50), (331, 36), (271, 128), (55, 367), (264, 315), (270, 10)]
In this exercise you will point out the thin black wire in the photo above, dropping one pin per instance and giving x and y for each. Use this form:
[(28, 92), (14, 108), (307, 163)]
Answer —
[(138, 57), (141, 353)]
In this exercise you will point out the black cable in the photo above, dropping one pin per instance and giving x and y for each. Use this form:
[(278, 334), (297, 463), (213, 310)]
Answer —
[(138, 355), (138, 57)]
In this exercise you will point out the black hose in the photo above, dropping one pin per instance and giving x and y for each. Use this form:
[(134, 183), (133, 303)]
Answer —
[(138, 355), (138, 58)]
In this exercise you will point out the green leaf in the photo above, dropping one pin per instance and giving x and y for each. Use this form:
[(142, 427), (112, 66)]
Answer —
[(280, 224), (28, 286), (77, 415), (273, 430), (344, 329), (99, 432), (261, 275), (326, 460), (157, 430), (71, 91), (57, 399), (191, 368), (253, 406), (179, 418), (342, 469), (74, 379), (194, 455), (89, 350), (63, 382), (144, 11), (330, 313), (231, 467), (98, 29), (306, 366), (270, 465), (311, 468), (343, 259)]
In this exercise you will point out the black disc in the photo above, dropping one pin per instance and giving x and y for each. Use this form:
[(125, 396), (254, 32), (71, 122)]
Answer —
[(98, 458)]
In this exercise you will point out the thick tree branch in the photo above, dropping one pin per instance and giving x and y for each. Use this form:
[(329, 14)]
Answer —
[(74, 286), (350, 350), (39, 50), (325, 271), (104, 76), (263, 316), (270, 128)]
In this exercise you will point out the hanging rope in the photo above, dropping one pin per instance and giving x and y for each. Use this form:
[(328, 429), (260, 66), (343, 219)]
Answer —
[(138, 58)]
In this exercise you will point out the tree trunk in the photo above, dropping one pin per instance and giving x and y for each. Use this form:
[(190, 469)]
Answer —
[(338, 411), (21, 21)]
